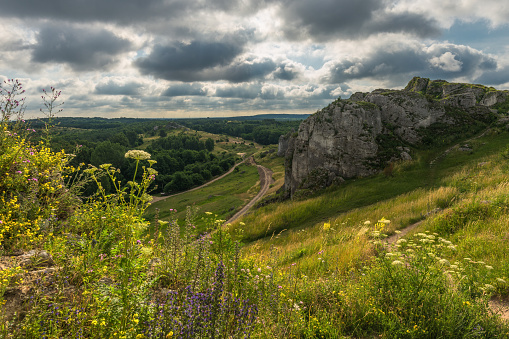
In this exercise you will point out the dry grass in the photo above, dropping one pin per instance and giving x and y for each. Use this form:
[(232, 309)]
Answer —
[(347, 243)]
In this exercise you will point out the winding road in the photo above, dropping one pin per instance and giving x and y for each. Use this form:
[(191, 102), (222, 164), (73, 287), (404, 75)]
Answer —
[(265, 182), (156, 199)]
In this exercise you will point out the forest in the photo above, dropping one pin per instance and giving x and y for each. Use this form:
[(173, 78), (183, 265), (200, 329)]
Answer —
[(184, 158)]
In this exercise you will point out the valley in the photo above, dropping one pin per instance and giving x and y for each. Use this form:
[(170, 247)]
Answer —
[(242, 242)]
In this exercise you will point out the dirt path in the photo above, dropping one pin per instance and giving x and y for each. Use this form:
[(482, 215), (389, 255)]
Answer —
[(156, 199), (447, 151), (265, 182), (393, 238)]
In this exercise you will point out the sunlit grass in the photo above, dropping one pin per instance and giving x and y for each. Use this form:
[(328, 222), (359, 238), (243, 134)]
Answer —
[(223, 197), (294, 227)]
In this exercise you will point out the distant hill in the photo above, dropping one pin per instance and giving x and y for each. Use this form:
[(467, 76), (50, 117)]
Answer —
[(271, 116), (100, 122)]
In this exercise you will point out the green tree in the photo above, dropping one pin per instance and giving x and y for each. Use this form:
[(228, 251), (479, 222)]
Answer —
[(107, 152), (209, 144)]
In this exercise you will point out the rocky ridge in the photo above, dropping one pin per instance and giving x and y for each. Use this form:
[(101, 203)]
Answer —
[(361, 135)]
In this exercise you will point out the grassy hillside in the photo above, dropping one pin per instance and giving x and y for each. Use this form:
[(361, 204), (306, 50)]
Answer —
[(415, 191), (315, 267)]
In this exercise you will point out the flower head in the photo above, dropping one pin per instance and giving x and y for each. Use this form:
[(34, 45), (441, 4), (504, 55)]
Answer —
[(137, 154)]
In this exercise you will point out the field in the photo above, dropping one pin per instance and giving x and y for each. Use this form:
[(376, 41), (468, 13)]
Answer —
[(223, 198)]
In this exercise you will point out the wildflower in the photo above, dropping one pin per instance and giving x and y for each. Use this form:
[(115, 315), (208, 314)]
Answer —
[(444, 262), (489, 287), (367, 222), (170, 334), (397, 263), (137, 155), (489, 267), (501, 280), (326, 226)]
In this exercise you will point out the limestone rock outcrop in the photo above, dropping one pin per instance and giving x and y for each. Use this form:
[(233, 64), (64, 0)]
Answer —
[(359, 136)]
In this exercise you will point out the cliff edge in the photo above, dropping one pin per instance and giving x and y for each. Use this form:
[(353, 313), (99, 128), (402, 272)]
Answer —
[(361, 135)]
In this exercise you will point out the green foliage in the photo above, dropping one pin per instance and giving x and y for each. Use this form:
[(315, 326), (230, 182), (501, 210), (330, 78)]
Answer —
[(459, 217), (414, 291), (465, 125), (367, 105), (502, 107), (264, 132)]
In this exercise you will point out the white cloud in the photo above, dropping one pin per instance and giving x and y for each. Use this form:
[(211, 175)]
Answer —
[(446, 62)]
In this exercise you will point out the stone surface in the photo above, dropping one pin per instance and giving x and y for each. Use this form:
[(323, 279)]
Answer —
[(283, 144), (345, 139)]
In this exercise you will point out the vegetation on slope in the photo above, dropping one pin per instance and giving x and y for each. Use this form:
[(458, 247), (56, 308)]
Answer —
[(89, 269)]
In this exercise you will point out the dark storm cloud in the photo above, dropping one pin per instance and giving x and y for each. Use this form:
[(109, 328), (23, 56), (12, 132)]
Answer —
[(113, 88), (245, 70), (80, 48), (330, 19), (184, 90), (127, 11), (495, 77), (202, 60), (181, 61), (285, 72), (406, 22), (442, 61), (245, 91)]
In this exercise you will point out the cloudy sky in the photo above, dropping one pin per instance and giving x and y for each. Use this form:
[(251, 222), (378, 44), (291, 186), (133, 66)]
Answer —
[(191, 58)]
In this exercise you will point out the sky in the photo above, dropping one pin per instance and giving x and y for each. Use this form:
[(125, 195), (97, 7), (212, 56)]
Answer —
[(211, 58)]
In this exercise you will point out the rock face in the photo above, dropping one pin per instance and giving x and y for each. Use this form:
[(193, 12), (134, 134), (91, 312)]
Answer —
[(361, 135), (283, 144)]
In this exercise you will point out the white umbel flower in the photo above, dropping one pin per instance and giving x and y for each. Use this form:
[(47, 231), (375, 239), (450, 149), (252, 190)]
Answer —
[(137, 154)]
